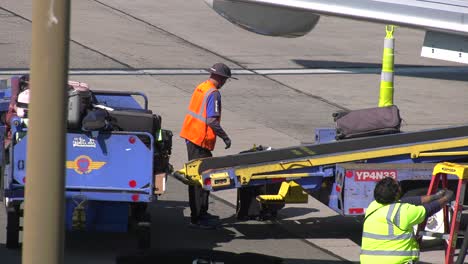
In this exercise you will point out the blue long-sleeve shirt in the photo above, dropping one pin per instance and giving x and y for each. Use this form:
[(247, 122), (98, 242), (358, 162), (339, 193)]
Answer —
[(431, 207)]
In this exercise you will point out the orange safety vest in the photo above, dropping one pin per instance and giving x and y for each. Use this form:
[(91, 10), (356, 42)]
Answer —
[(195, 129)]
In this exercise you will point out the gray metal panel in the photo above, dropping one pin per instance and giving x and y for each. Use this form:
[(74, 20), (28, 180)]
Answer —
[(445, 46)]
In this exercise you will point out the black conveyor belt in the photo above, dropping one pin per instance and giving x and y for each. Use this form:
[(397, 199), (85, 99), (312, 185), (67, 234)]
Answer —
[(349, 145)]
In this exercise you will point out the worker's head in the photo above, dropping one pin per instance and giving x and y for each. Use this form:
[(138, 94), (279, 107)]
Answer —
[(22, 104), (220, 72), (387, 191)]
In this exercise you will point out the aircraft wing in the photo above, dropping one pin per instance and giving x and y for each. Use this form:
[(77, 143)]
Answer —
[(446, 21)]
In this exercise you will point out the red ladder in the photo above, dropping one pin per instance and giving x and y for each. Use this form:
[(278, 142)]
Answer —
[(440, 172)]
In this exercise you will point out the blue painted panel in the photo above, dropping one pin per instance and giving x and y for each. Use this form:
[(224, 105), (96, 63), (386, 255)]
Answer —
[(4, 105), (107, 216), (108, 161), (310, 184), (18, 161), (117, 196), (109, 167)]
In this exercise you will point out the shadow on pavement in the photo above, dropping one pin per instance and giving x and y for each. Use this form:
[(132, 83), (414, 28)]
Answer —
[(102, 247), (309, 228), (170, 229), (10, 256), (296, 211), (199, 256), (176, 234), (87, 248), (452, 76)]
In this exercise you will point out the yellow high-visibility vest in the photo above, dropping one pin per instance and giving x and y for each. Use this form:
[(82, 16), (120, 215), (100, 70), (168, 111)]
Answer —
[(387, 236)]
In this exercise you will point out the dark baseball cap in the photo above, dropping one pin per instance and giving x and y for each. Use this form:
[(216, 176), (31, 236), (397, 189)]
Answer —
[(222, 70)]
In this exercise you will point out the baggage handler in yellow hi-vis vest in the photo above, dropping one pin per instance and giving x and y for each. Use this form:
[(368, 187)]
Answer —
[(387, 235)]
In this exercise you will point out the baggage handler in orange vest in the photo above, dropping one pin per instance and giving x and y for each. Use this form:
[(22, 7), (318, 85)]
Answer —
[(201, 126)]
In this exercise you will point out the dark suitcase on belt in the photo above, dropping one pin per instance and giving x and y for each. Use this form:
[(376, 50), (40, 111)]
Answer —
[(367, 122)]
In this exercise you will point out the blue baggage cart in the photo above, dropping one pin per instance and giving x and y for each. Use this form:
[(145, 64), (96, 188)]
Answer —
[(111, 176)]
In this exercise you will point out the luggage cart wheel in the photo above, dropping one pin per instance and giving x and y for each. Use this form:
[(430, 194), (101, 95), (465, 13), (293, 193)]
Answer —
[(13, 229), (143, 230)]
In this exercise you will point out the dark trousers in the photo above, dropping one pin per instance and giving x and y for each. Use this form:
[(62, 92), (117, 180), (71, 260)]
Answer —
[(198, 198)]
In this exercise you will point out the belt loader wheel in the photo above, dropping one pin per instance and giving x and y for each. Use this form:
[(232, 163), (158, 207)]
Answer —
[(13, 227)]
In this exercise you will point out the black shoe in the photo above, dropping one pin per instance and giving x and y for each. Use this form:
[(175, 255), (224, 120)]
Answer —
[(203, 225), (208, 216)]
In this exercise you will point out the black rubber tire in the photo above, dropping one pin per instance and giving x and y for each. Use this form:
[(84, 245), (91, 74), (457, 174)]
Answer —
[(13, 228), (144, 233), (138, 211)]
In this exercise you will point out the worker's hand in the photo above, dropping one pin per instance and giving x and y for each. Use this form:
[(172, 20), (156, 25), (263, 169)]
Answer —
[(227, 141), (446, 198), (438, 195), (448, 195)]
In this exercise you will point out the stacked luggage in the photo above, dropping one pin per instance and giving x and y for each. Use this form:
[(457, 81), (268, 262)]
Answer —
[(79, 101), (86, 115)]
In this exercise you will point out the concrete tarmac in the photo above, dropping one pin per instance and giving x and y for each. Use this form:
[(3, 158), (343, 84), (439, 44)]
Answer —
[(277, 109)]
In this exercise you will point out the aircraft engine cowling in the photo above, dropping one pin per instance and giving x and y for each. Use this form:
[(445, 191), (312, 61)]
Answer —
[(266, 20)]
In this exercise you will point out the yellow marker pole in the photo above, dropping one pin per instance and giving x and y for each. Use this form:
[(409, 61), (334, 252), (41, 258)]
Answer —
[(386, 79), (45, 162)]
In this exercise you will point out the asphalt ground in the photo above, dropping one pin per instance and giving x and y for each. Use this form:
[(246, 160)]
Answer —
[(162, 48)]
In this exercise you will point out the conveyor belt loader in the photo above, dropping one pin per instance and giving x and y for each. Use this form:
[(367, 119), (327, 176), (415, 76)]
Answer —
[(344, 172)]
